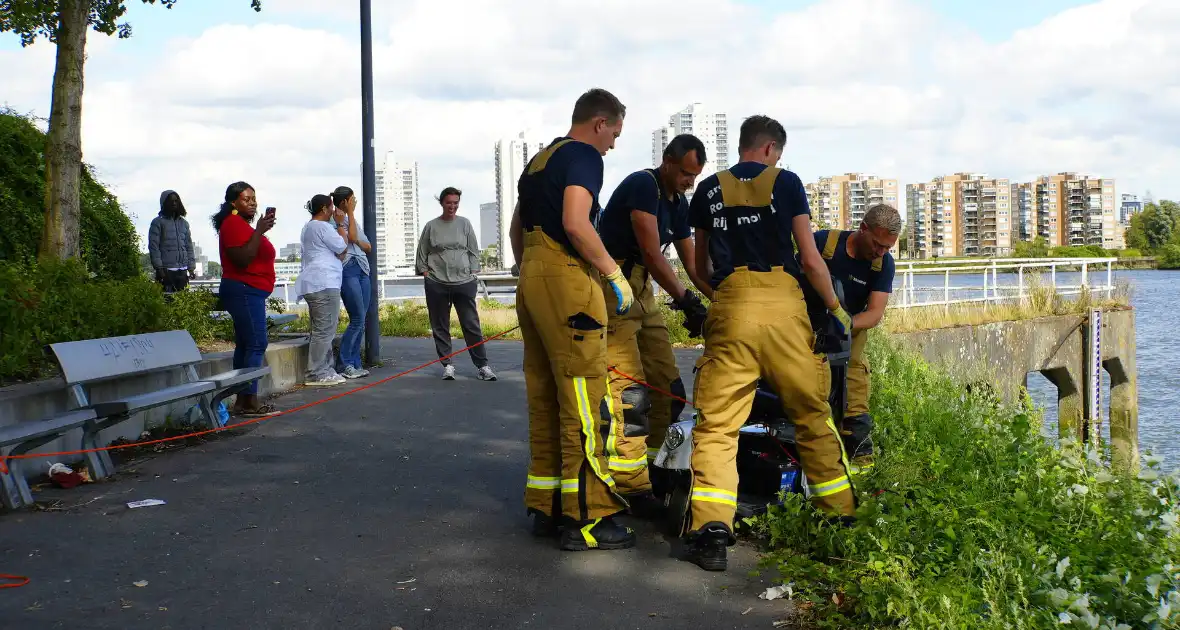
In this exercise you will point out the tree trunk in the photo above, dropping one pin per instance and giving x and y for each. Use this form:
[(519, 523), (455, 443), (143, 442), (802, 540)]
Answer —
[(63, 155)]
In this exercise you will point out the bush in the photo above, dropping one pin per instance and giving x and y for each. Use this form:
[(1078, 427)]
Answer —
[(57, 301), (970, 519), (1129, 253), (1169, 257), (108, 241)]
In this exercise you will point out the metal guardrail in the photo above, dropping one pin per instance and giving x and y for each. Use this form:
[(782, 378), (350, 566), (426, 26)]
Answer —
[(991, 289), (908, 291), (285, 289)]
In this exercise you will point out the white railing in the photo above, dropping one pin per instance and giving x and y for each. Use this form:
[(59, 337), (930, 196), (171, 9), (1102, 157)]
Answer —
[(916, 282), (914, 292), (285, 290)]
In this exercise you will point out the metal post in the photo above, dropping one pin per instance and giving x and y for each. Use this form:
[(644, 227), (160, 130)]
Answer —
[(369, 188), (1109, 280)]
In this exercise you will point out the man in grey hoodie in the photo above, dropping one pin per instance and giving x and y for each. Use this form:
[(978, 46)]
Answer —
[(170, 244)]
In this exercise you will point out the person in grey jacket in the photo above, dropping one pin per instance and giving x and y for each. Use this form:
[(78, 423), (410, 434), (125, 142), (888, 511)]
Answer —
[(448, 259), (170, 244)]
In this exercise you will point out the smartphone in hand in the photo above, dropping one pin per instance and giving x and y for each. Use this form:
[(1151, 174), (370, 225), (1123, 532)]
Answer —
[(271, 211)]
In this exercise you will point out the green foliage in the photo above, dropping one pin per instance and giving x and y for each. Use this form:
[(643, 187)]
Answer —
[(1080, 251), (1129, 253), (970, 519), (109, 243), (1156, 227), (1036, 248), (54, 301), (1169, 257), (32, 19), (213, 269)]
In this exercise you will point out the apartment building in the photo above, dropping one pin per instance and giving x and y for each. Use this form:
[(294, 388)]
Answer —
[(711, 127), (840, 201), (397, 214), (511, 156), (963, 214), (1074, 209)]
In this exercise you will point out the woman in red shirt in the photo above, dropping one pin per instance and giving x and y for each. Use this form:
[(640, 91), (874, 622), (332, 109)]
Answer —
[(247, 279)]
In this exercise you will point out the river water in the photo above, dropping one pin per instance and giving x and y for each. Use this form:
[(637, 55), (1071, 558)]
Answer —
[(1155, 296)]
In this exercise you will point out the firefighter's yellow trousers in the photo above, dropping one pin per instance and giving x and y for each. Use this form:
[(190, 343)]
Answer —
[(638, 346), (562, 314), (758, 328), (858, 376)]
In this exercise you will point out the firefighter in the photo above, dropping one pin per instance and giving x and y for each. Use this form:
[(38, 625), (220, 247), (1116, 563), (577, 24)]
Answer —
[(746, 218), (861, 261), (647, 212), (562, 312)]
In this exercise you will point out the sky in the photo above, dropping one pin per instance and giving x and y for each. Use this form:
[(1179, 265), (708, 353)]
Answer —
[(211, 92)]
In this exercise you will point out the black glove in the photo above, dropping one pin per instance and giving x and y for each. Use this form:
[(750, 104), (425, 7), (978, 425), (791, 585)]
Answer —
[(694, 313)]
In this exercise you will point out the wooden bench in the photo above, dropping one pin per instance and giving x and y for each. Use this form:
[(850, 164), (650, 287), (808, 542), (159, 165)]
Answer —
[(84, 363)]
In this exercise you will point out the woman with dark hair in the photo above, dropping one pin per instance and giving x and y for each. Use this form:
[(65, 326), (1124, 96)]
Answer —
[(170, 244), (355, 290), (247, 279), (319, 281), (448, 259)]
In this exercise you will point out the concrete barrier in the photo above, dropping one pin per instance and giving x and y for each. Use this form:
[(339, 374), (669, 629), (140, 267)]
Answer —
[(1000, 357), (32, 401)]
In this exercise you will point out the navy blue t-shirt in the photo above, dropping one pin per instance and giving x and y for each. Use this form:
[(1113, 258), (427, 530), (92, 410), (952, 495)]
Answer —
[(542, 193), (742, 239), (857, 276), (641, 191)]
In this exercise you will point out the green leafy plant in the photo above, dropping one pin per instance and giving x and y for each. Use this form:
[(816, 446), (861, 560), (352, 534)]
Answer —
[(971, 519)]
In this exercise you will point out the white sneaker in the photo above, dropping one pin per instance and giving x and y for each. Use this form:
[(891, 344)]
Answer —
[(326, 382), (486, 374), (351, 372), (449, 373)]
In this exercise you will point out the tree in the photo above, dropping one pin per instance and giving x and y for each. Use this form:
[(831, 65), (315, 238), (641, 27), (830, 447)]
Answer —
[(109, 246), (65, 23), (213, 269), (1156, 226), (1036, 248), (489, 258)]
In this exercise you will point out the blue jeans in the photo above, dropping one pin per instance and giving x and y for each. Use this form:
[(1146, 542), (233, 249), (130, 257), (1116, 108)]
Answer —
[(355, 292), (247, 307)]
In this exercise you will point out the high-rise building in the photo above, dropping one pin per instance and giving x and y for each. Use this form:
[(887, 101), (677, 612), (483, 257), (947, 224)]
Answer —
[(840, 202), (712, 128), (291, 250), (1024, 211), (512, 154), (489, 225), (1076, 209), (397, 214), (959, 215), (1129, 206)]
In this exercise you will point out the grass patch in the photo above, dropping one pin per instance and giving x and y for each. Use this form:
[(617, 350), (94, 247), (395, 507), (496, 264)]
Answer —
[(970, 519), (1041, 301)]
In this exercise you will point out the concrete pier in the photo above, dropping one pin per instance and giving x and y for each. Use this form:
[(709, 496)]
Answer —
[(1001, 356)]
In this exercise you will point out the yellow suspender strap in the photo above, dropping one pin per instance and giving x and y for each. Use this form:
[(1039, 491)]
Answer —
[(830, 244)]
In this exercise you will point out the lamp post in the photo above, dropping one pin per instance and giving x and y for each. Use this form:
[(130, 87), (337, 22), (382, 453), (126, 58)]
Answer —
[(369, 187)]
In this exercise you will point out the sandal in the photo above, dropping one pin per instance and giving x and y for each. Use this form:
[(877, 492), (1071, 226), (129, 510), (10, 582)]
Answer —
[(261, 412)]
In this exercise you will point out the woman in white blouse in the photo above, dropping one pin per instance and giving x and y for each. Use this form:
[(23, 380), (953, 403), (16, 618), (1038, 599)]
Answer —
[(319, 281)]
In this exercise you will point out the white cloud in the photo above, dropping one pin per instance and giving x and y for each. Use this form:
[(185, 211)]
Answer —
[(876, 86)]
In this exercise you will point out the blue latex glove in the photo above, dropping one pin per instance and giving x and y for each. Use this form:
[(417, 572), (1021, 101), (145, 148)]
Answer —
[(623, 295)]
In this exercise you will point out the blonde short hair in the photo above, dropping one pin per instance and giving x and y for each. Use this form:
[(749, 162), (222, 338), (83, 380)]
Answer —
[(883, 215)]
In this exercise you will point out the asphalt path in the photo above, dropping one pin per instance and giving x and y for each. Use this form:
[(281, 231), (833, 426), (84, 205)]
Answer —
[(396, 506)]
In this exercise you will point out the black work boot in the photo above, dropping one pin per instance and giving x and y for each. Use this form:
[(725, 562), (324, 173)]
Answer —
[(644, 505), (600, 533), (544, 526), (707, 547)]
